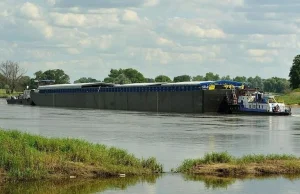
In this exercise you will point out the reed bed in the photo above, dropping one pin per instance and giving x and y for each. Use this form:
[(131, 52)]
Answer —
[(30, 157), (223, 164)]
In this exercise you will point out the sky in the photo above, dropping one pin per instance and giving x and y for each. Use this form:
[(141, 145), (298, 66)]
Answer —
[(171, 37)]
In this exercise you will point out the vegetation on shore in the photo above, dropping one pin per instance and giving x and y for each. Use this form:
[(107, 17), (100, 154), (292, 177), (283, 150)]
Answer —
[(31, 157), (3, 94), (292, 98), (223, 164)]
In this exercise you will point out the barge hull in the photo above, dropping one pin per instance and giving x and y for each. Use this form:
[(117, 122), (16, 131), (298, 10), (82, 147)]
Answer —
[(202, 101)]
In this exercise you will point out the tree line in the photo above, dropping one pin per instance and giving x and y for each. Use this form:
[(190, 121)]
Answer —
[(12, 78)]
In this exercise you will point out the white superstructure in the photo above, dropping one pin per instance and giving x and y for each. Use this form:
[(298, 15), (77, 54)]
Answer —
[(258, 102)]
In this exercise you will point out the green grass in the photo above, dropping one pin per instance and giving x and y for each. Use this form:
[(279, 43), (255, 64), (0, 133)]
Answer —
[(24, 157), (209, 158), (291, 98), (4, 95), (225, 164)]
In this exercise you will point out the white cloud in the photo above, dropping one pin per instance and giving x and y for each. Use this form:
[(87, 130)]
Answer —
[(130, 16), (73, 51), (4, 13), (204, 35), (104, 42), (189, 28), (30, 11), (188, 58), (43, 27), (261, 52), (262, 56), (40, 54), (264, 59), (68, 19), (164, 42), (85, 42), (257, 52), (151, 3), (154, 55), (51, 2)]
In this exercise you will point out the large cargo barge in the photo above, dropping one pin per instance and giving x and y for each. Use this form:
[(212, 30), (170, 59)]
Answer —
[(183, 97)]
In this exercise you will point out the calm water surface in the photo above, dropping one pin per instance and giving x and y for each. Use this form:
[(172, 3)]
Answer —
[(170, 138)]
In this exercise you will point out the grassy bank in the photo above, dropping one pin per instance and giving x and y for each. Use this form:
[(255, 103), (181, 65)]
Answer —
[(4, 95), (292, 98), (223, 164), (29, 157)]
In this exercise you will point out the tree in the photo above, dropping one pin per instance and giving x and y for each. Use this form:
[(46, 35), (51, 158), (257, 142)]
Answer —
[(295, 73), (256, 82), (109, 80), (227, 77), (149, 80), (277, 85), (211, 77), (122, 79), (182, 78), (198, 78), (6, 87), (58, 75), (240, 79), (2, 81), (23, 83), (12, 73), (86, 80), (54, 74), (133, 75), (163, 78)]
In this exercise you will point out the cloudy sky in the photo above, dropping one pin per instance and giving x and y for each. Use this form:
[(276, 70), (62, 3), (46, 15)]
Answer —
[(172, 37)]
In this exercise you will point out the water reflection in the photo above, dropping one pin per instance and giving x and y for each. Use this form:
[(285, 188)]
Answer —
[(211, 182), (76, 186), (214, 182)]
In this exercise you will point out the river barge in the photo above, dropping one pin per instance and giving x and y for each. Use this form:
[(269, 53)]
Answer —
[(183, 97)]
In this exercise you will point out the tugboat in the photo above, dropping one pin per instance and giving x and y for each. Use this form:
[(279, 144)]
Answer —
[(254, 102), (23, 99)]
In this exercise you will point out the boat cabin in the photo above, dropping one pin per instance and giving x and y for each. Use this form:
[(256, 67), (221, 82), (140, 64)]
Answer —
[(259, 102)]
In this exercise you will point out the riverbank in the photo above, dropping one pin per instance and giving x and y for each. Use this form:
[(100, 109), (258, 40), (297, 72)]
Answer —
[(223, 164), (292, 98), (31, 157), (4, 95)]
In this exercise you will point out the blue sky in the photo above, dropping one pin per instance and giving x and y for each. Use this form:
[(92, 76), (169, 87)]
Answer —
[(172, 37)]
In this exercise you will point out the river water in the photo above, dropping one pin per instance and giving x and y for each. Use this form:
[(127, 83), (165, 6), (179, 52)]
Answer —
[(170, 138)]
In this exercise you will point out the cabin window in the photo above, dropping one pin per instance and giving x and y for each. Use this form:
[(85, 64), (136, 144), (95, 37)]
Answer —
[(249, 106), (259, 106)]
